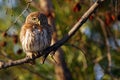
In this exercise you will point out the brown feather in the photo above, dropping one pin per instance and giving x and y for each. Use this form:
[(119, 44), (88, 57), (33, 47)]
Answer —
[(35, 37)]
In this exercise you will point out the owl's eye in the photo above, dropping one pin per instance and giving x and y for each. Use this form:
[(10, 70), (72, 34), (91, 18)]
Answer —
[(34, 18)]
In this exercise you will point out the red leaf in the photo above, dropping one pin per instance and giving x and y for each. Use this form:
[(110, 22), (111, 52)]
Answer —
[(77, 7)]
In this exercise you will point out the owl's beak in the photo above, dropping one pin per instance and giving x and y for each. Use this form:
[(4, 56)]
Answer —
[(38, 21)]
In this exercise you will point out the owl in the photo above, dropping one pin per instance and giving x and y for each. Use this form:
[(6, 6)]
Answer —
[(35, 34)]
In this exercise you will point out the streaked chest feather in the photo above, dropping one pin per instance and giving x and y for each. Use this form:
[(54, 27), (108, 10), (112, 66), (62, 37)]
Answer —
[(35, 40)]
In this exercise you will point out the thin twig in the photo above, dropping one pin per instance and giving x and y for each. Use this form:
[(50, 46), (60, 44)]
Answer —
[(107, 44), (83, 54), (55, 46), (76, 47), (26, 8)]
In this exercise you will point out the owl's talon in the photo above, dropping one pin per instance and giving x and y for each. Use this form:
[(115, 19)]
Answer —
[(36, 54), (30, 55), (52, 56)]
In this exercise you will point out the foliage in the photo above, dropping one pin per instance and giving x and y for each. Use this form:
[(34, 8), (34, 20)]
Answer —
[(83, 52)]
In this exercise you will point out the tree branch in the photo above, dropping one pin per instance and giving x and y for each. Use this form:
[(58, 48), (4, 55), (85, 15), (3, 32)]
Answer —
[(55, 46)]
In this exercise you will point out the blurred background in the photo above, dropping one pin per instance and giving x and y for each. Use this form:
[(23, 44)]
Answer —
[(93, 53)]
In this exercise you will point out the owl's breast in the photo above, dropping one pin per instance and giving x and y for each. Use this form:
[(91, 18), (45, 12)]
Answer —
[(36, 40)]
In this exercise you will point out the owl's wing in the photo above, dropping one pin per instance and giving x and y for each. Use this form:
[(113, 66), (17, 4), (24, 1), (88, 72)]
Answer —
[(50, 29)]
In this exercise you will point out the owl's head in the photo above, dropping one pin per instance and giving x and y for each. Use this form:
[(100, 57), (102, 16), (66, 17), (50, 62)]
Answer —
[(36, 18)]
